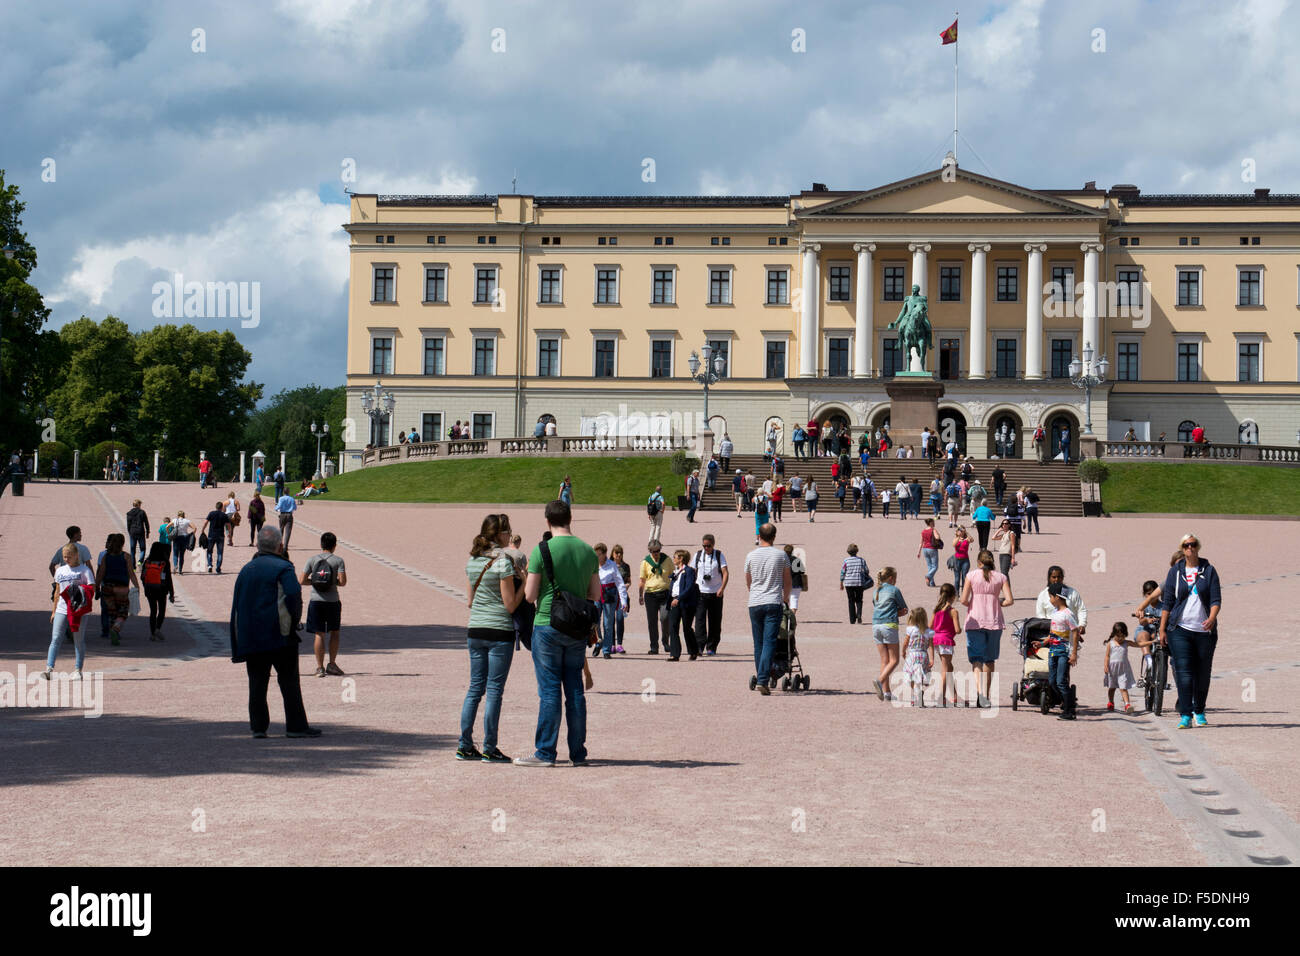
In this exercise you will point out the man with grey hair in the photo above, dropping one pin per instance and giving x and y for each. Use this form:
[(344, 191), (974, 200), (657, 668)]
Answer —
[(264, 615)]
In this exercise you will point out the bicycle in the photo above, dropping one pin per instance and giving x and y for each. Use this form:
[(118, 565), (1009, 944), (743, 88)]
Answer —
[(1156, 679)]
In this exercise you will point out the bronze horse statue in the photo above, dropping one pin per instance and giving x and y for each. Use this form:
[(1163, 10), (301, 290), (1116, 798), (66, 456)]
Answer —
[(913, 324)]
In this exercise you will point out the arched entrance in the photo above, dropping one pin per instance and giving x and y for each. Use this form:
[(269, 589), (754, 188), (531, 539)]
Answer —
[(774, 426), (952, 428), (1058, 425), (832, 418), (1004, 435)]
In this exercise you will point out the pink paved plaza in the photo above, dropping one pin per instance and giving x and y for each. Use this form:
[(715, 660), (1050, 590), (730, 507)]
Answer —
[(687, 766)]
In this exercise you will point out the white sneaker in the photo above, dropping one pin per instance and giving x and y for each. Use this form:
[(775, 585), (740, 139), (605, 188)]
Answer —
[(76, 675)]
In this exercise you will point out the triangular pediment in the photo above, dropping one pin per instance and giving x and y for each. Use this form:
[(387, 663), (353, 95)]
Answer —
[(967, 194)]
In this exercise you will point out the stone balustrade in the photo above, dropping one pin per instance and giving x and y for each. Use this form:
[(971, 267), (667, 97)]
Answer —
[(1190, 451), (583, 446)]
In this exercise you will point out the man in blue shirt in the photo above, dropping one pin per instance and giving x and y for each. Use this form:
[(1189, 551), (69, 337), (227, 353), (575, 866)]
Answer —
[(285, 507)]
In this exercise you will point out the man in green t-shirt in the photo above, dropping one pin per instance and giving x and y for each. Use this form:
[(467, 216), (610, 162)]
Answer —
[(558, 658)]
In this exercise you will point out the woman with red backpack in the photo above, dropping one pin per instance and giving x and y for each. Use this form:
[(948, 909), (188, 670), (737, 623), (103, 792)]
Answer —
[(156, 581)]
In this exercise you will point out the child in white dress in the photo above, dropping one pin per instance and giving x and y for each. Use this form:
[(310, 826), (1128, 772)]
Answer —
[(918, 654), (1118, 672)]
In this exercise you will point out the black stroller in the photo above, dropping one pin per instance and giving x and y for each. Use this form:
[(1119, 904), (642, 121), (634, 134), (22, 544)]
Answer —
[(786, 666), (1034, 685)]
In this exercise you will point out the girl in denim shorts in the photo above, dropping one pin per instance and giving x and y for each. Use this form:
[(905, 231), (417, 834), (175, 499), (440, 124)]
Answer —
[(886, 609)]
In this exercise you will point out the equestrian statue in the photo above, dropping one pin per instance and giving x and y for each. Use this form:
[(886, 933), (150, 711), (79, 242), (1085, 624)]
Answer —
[(913, 324)]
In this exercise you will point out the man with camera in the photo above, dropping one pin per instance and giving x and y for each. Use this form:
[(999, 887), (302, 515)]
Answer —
[(563, 581), (711, 576)]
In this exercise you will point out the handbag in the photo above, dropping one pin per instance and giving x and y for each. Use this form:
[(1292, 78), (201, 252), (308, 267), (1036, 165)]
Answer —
[(571, 615), (952, 562), (936, 541), (133, 600)]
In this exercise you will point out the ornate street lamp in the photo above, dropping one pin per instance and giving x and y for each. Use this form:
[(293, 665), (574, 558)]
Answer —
[(1087, 376), (707, 372), (378, 405), (324, 430)]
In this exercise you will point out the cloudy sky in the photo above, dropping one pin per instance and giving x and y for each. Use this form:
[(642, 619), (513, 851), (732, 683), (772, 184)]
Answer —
[(140, 157)]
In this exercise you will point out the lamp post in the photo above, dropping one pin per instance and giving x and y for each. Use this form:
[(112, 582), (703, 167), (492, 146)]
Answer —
[(112, 462), (1087, 376), (157, 456), (378, 405), (324, 430), (706, 372)]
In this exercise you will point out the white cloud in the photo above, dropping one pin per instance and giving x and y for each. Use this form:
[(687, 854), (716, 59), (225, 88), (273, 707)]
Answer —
[(1006, 50)]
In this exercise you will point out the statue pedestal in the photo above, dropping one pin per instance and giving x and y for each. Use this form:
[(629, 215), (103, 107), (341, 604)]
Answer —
[(913, 405)]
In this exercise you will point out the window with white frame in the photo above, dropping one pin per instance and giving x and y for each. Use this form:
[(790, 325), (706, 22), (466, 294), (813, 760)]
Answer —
[(720, 342), (1062, 287), (606, 356), (607, 285), (949, 282), (663, 279), (720, 285), (435, 283), (893, 282), (778, 287), (1188, 359), (548, 355), (1189, 285), (1250, 285), (1250, 357), (384, 284), (839, 346), (485, 284), (549, 291), (1128, 359), (484, 425), (381, 355), (1128, 290), (839, 283), (661, 356), (435, 355), (775, 357), (431, 426), (1008, 283), (485, 355)]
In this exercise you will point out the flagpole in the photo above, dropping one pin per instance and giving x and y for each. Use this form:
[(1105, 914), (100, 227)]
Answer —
[(956, 43)]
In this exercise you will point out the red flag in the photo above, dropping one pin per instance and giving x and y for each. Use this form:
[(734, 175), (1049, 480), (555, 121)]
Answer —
[(949, 35)]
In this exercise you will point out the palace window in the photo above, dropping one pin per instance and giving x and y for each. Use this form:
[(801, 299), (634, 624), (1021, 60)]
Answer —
[(778, 287), (485, 356), (1006, 358), (837, 357), (1189, 361), (894, 277), (384, 284), (483, 423), (949, 358), (1248, 361), (1061, 349), (605, 358), (719, 287), (485, 288), (661, 358), (435, 355), (840, 277), (1126, 366), (548, 290), (663, 287), (431, 426), (950, 283), (435, 283), (381, 355), (1008, 283), (722, 347), (1062, 283), (606, 286), (775, 359), (1189, 286), (548, 358), (891, 359), (1248, 287)]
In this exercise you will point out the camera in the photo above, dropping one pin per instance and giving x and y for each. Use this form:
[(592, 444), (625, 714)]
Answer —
[(708, 577)]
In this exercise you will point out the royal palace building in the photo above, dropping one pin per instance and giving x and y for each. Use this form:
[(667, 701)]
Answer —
[(500, 311)]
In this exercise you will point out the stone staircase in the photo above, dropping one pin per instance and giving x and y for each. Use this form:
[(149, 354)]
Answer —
[(1057, 484)]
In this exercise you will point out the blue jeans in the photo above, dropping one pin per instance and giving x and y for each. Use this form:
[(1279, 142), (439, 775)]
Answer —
[(557, 660), (936, 504), (959, 569), (1193, 654), (489, 666), (218, 542), (57, 632), (608, 624), (203, 479), (695, 504), (765, 625), (1058, 671), (178, 550), (144, 551), (931, 556)]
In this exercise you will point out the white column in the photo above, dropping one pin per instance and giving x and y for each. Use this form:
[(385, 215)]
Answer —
[(155, 464), (919, 267), (241, 467), (1091, 328), (865, 331), (1034, 311), (282, 462), (809, 296), (979, 332)]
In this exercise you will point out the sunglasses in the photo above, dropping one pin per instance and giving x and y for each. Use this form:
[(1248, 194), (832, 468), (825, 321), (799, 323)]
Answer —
[(1193, 544)]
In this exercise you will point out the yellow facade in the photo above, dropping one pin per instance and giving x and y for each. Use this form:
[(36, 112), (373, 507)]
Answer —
[(568, 277)]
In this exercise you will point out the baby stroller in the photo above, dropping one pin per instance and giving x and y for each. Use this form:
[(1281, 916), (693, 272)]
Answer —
[(786, 666), (1034, 686)]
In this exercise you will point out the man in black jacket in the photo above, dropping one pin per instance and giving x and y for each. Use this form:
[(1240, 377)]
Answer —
[(137, 526), (264, 616)]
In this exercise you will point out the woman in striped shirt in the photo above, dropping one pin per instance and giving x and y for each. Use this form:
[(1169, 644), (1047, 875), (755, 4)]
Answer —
[(853, 579)]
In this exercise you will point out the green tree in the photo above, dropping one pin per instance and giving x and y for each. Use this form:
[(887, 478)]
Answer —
[(284, 424), (22, 314), (100, 383), (192, 388)]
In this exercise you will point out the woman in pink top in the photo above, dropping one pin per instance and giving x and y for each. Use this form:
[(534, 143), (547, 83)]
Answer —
[(946, 625), (985, 594)]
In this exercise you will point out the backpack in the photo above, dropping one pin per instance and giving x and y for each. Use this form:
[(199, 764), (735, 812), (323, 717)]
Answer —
[(322, 576), (152, 573), (798, 578), (653, 507), (760, 509)]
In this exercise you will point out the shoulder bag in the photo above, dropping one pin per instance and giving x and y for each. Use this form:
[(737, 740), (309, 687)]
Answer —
[(571, 615)]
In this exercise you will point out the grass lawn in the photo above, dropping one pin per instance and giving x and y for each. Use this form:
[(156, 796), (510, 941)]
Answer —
[(1195, 488), (596, 481)]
